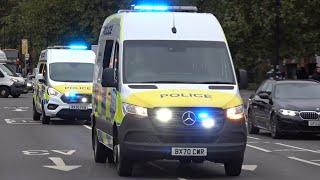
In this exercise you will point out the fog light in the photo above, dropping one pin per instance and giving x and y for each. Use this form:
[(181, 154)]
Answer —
[(52, 106), (164, 115), (208, 123)]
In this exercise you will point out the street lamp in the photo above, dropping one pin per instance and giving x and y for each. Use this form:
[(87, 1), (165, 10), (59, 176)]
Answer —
[(277, 36)]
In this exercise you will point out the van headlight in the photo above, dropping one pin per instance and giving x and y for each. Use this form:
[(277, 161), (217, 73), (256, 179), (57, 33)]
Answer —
[(136, 110), (286, 112), (235, 113), (52, 92)]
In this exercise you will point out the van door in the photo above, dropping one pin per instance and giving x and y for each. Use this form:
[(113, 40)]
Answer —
[(102, 97)]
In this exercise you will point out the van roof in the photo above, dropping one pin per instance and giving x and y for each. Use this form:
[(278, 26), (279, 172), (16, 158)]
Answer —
[(67, 55), (158, 26)]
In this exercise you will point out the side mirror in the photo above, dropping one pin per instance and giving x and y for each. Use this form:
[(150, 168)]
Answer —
[(108, 78), (243, 79), (40, 78), (264, 95)]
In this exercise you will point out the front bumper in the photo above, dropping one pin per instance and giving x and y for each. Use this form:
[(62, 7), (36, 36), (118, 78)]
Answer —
[(296, 125), (141, 140), (17, 89), (63, 110)]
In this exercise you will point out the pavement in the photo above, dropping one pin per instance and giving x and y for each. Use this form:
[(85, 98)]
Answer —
[(62, 150)]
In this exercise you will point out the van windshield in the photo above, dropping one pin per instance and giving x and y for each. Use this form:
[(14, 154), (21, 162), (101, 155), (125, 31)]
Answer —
[(71, 72), (8, 70), (194, 62)]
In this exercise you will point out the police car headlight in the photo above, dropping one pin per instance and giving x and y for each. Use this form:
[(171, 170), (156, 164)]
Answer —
[(164, 115), (235, 113), (136, 110), (53, 92)]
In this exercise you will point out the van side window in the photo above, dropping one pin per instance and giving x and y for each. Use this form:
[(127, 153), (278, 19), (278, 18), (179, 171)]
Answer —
[(107, 53), (116, 59), (45, 72), (1, 75), (41, 68)]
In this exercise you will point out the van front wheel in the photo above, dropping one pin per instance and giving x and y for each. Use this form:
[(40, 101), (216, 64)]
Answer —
[(233, 168), (4, 92), (124, 165)]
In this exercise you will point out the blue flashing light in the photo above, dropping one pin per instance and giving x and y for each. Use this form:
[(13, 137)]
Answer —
[(203, 115), (151, 7), (78, 47)]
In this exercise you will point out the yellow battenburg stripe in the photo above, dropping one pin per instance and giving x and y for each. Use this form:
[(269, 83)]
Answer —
[(184, 98)]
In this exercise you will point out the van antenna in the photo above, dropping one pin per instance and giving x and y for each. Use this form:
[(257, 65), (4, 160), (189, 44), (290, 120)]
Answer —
[(174, 29)]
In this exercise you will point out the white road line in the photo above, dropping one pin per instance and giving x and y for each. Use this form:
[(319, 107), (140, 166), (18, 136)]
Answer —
[(258, 148), (88, 127), (316, 160), (318, 152), (253, 138), (182, 179), (294, 150), (304, 161)]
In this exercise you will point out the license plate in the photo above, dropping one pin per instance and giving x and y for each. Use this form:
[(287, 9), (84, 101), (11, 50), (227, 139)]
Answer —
[(175, 151), (78, 107), (314, 123)]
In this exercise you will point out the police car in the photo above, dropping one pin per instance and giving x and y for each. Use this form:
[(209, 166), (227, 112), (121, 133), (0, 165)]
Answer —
[(63, 84), (165, 88)]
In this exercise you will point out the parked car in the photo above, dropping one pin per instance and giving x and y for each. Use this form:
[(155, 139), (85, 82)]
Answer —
[(10, 83), (286, 106)]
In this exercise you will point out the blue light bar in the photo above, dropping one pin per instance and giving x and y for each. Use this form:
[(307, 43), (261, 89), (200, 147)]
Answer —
[(150, 7), (78, 47)]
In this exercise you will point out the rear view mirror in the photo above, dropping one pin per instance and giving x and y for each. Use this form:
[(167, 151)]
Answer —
[(40, 78), (242, 79), (108, 78)]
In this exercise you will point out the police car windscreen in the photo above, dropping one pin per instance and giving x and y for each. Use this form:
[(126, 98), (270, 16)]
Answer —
[(177, 62), (71, 72), (297, 91)]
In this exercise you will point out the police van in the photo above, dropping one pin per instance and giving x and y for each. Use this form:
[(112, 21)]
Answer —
[(63, 84), (165, 88)]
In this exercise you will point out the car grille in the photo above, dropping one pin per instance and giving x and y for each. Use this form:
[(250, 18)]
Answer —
[(309, 115), (176, 124), (76, 99)]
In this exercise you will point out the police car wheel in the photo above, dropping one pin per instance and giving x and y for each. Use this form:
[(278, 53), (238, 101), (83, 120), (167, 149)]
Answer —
[(4, 92), (45, 119), (36, 115), (99, 150), (233, 168), (124, 165), (252, 129)]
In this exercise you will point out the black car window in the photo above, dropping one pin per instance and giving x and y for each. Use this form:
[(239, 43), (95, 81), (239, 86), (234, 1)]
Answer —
[(268, 87), (262, 87)]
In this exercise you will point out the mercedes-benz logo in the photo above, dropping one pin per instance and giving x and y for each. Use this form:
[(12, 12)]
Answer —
[(189, 118)]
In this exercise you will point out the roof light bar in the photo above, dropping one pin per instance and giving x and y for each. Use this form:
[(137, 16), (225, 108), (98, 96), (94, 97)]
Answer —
[(75, 47), (164, 8)]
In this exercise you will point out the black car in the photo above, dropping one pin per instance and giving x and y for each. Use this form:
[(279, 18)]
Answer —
[(283, 107)]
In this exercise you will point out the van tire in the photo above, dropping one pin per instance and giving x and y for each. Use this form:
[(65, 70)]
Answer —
[(99, 150), (233, 168), (124, 165), (45, 119), (4, 92), (36, 115)]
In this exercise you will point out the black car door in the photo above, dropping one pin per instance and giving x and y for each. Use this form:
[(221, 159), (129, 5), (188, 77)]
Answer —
[(266, 106), (256, 105)]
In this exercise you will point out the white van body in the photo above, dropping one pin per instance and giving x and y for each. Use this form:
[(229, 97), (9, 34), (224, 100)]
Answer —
[(10, 82), (57, 60)]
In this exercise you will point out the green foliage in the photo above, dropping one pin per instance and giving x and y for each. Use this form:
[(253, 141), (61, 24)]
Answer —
[(249, 25)]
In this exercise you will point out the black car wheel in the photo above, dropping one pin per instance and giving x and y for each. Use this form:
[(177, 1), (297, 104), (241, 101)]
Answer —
[(233, 168), (4, 92), (16, 95), (36, 115), (275, 129), (252, 129), (99, 150), (124, 165)]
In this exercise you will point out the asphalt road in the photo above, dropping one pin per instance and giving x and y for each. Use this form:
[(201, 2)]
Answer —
[(62, 150)]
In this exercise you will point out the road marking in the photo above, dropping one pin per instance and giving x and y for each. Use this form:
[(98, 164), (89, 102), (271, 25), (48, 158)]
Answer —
[(60, 165), (36, 152), (304, 161), (88, 127), (316, 160), (283, 150), (318, 152), (19, 110), (258, 148), (22, 121), (68, 152), (253, 138), (182, 179), (249, 167)]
